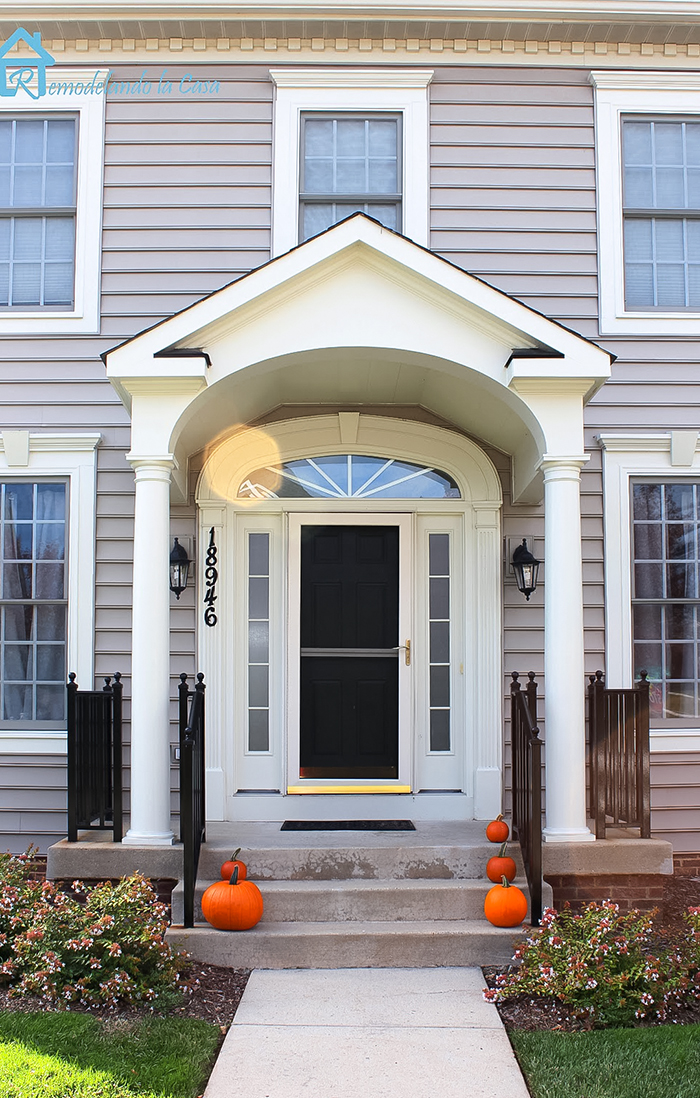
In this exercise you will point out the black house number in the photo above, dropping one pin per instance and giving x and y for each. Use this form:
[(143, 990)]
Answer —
[(211, 575)]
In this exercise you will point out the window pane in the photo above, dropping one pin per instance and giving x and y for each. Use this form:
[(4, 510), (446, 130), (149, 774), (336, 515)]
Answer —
[(669, 188), (19, 663), (439, 554), (350, 137), (258, 730), (648, 581), (50, 663), (639, 188), (647, 622), (27, 189), (318, 137), (382, 137), (439, 642), (50, 703), (60, 144), (258, 602), (29, 141), (18, 703), (440, 730), (19, 540), (439, 686), (439, 598), (680, 501), (50, 623), (258, 642), (670, 287), (258, 685), (5, 142), (50, 501), (387, 215), (318, 176), (646, 501), (259, 554), (668, 140), (59, 185), (316, 218), (647, 542), (637, 142), (17, 581), (350, 176)]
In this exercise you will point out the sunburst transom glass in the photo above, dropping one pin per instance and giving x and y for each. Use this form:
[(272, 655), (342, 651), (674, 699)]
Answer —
[(348, 476)]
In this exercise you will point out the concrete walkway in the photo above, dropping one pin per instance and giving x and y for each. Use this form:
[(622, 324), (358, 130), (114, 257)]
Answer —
[(366, 1033)]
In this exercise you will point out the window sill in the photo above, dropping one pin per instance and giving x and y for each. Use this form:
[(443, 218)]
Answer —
[(649, 323), (43, 742), (682, 739), (14, 322)]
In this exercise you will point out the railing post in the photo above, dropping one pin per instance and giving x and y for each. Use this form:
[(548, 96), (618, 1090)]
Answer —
[(642, 744), (72, 760), (117, 784), (597, 723), (515, 752), (183, 692), (202, 761)]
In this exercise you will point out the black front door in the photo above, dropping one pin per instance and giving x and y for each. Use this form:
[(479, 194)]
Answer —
[(349, 657)]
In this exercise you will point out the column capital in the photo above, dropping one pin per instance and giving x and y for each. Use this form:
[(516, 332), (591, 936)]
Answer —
[(562, 466), (158, 467)]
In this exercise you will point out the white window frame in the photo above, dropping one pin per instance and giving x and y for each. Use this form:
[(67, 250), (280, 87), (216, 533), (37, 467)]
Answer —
[(618, 94), (662, 457), (298, 91), (74, 457), (89, 109)]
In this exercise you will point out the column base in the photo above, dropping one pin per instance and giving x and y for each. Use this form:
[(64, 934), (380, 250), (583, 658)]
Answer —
[(567, 835), (148, 838)]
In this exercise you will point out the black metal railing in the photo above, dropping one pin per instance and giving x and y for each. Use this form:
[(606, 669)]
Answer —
[(526, 750), (192, 809), (618, 722), (95, 758)]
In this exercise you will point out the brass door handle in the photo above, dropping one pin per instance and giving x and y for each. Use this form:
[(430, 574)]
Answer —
[(405, 648)]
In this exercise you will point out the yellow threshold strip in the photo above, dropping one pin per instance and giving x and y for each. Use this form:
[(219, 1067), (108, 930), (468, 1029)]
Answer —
[(348, 789)]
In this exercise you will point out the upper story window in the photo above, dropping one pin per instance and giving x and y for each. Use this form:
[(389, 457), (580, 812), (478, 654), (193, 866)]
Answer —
[(648, 192), (349, 140), (349, 164), (661, 196), (37, 212), (51, 171)]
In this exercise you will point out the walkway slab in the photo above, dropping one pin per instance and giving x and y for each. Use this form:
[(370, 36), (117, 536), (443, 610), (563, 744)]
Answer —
[(381, 1033)]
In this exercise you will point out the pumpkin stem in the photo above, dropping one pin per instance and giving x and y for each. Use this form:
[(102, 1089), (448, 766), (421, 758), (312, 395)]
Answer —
[(502, 851), (499, 816), (234, 876), (504, 881), (235, 853)]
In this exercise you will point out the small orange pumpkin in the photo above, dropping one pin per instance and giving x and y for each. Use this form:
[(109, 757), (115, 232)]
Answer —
[(228, 867), (497, 831), (505, 904), (501, 865), (232, 905)]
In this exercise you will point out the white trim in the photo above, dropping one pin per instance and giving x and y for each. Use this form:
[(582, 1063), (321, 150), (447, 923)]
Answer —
[(685, 739), (400, 90), (624, 457), (618, 93), (90, 109), (73, 456)]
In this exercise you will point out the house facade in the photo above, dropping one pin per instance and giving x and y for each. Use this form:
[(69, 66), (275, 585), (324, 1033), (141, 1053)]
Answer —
[(350, 300)]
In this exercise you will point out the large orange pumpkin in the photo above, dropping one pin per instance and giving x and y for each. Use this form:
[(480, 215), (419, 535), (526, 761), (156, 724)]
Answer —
[(232, 905), (229, 866), (501, 865), (505, 905), (497, 831)]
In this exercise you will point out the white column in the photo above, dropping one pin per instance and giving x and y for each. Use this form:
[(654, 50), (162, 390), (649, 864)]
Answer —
[(150, 661), (565, 733)]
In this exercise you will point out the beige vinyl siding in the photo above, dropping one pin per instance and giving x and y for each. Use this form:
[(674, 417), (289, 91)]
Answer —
[(32, 801), (675, 799)]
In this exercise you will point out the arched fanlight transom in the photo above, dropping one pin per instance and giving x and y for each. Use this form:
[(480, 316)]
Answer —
[(348, 476)]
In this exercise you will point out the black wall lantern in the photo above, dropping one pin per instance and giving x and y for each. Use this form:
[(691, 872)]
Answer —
[(526, 568), (179, 569)]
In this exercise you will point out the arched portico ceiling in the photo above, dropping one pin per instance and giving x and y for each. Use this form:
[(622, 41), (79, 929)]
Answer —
[(361, 315)]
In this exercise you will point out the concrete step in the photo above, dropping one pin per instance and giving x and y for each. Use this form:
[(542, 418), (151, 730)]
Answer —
[(362, 900), (407, 944), (397, 861)]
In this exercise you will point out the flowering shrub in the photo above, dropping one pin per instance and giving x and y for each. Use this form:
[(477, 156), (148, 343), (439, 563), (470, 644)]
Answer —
[(106, 946), (601, 965)]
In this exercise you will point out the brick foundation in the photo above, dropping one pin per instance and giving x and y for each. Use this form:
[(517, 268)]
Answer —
[(686, 865), (642, 891)]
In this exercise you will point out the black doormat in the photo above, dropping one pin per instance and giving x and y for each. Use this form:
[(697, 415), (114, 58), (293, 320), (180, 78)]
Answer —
[(348, 825)]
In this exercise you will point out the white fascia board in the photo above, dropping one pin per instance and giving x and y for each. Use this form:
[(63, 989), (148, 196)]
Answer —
[(592, 11), (513, 323)]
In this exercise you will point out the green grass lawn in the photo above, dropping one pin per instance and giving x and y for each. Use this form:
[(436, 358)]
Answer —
[(63, 1055), (659, 1062)]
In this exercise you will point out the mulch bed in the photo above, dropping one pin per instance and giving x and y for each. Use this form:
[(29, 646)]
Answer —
[(209, 992), (524, 1013)]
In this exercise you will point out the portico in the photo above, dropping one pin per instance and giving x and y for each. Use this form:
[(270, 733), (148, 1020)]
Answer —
[(358, 320)]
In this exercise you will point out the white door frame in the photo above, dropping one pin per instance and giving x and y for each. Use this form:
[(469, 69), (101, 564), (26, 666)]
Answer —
[(403, 784)]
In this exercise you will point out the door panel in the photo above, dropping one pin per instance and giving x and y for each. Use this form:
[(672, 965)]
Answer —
[(349, 662)]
